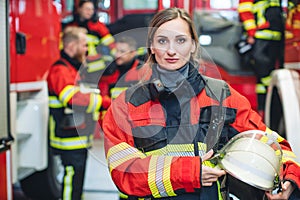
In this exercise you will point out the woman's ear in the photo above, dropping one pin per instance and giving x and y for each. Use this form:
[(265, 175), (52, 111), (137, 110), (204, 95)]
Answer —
[(193, 47)]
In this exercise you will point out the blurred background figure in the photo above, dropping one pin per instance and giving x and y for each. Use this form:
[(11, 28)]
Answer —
[(72, 111), (264, 26), (101, 44)]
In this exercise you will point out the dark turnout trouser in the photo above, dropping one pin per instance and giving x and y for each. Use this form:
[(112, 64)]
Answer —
[(74, 163)]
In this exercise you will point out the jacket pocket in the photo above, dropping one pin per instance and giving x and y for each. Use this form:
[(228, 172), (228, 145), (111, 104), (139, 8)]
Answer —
[(148, 138)]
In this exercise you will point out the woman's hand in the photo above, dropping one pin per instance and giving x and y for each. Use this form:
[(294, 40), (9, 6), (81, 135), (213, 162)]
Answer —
[(286, 190), (210, 175)]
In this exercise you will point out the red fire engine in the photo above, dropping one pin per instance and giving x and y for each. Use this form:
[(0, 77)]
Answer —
[(30, 45)]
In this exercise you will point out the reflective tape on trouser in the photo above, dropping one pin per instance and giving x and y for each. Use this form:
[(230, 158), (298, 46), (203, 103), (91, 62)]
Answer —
[(68, 183), (268, 35)]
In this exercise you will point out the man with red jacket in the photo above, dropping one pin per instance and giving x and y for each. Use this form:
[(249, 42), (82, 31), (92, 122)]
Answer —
[(73, 108)]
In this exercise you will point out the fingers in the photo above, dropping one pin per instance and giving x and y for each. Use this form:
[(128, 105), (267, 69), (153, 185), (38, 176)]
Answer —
[(287, 189), (210, 175), (208, 155)]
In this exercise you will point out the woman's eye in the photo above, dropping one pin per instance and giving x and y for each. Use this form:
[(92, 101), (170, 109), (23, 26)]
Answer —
[(181, 40), (162, 41)]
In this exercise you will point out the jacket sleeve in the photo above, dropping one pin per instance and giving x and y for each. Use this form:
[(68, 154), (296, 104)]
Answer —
[(246, 16), (62, 82), (248, 119), (138, 174)]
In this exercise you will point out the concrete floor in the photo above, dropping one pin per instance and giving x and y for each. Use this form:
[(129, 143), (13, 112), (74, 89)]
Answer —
[(98, 184)]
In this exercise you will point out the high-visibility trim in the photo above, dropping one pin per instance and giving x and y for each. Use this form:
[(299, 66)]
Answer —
[(141, 51), (289, 156), (54, 102), (96, 65), (159, 177), (202, 148), (121, 153), (116, 91), (274, 134), (107, 40), (67, 93), (68, 180), (70, 143), (174, 150), (259, 8), (92, 41), (268, 35), (95, 103), (113, 51), (266, 80), (260, 89), (245, 7), (249, 24), (167, 178)]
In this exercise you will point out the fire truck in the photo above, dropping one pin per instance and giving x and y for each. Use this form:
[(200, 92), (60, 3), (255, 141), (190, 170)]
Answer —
[(30, 44)]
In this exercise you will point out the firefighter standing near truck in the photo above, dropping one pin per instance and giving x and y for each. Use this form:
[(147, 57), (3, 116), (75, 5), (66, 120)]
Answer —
[(263, 22), (101, 44), (72, 111), (159, 134)]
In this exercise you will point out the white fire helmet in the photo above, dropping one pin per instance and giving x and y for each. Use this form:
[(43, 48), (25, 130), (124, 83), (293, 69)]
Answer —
[(253, 157)]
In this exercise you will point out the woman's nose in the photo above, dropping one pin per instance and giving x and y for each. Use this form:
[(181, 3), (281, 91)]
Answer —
[(171, 50)]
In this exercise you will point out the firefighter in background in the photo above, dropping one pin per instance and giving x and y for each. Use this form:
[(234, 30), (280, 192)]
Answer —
[(123, 71), (155, 131), (293, 20), (101, 44), (72, 110), (263, 22)]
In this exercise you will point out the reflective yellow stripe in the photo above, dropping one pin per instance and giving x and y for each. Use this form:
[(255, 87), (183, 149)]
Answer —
[(68, 180), (54, 102), (67, 93), (96, 65), (116, 91), (245, 7), (95, 103), (70, 143), (159, 176), (152, 177), (141, 51), (289, 156), (121, 153), (266, 80), (123, 196), (174, 150), (167, 175), (107, 40), (249, 24), (92, 41), (268, 35), (260, 89)]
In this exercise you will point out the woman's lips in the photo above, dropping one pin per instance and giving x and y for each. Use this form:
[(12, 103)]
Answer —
[(171, 60)]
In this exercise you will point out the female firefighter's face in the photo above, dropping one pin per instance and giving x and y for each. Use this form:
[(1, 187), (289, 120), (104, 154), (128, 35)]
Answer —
[(86, 10), (172, 44)]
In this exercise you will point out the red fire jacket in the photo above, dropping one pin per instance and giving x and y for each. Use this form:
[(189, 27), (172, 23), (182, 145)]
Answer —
[(67, 98), (150, 154)]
